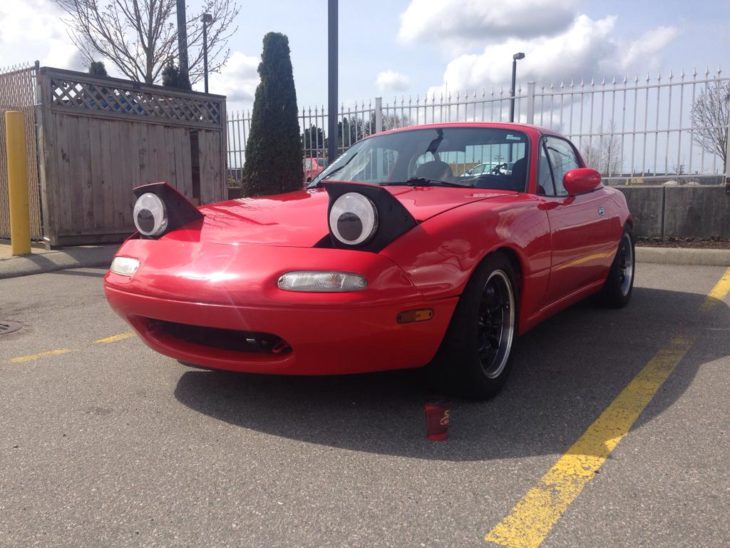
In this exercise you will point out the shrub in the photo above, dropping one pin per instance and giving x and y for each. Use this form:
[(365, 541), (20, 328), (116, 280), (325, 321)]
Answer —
[(274, 149)]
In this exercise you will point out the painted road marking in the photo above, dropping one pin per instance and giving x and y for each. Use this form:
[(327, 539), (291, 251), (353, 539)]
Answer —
[(33, 357), (718, 293), (540, 509), (114, 338), (59, 351), (534, 516)]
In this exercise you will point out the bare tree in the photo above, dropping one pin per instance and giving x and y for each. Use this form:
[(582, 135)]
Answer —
[(605, 156), (710, 118), (140, 36)]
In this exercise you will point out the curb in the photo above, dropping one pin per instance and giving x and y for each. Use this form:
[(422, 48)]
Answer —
[(74, 257), (683, 256)]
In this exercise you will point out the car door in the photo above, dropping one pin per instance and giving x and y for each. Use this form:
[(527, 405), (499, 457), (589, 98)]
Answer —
[(583, 227)]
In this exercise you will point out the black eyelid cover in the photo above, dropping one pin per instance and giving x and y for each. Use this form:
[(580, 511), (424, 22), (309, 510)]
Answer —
[(180, 211), (394, 219)]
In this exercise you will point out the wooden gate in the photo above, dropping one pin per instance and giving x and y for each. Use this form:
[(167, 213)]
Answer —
[(101, 137), (17, 92)]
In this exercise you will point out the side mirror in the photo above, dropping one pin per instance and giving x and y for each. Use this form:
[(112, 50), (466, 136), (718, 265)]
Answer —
[(581, 180)]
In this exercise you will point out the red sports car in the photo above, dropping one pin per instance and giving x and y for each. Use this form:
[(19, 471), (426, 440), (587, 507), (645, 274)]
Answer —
[(388, 260)]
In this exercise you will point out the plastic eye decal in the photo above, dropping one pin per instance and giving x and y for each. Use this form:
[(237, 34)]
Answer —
[(353, 219), (150, 215)]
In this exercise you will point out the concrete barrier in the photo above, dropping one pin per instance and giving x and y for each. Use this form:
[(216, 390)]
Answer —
[(646, 204), (696, 212), (701, 212)]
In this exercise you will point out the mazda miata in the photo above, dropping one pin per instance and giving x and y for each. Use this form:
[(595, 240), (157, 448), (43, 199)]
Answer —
[(393, 257)]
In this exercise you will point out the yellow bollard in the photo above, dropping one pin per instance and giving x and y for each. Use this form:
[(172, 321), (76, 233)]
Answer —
[(17, 183)]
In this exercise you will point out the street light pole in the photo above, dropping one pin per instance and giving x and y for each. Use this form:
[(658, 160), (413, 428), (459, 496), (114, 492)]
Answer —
[(332, 32), (207, 18), (515, 57)]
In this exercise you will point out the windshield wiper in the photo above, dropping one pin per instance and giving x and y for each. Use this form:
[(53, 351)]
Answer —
[(424, 181)]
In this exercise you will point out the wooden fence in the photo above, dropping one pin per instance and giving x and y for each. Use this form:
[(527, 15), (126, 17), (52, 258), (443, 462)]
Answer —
[(101, 137), (17, 92)]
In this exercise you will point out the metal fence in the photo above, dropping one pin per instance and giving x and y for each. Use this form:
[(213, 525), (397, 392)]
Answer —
[(18, 92), (639, 127)]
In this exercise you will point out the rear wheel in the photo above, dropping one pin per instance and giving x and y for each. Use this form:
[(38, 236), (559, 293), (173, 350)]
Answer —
[(474, 358), (616, 292)]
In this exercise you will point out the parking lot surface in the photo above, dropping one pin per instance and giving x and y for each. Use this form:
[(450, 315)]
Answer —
[(104, 442)]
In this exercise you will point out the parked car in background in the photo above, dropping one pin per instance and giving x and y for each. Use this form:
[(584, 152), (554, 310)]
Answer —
[(388, 260), (313, 167)]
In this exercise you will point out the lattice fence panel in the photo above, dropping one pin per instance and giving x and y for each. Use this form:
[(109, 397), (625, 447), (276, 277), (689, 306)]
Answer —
[(17, 92), (99, 97)]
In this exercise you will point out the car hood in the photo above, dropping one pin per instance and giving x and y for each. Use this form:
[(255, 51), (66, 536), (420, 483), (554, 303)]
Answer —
[(299, 219)]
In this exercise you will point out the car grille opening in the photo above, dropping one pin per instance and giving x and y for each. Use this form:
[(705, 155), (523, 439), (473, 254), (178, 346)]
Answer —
[(225, 339)]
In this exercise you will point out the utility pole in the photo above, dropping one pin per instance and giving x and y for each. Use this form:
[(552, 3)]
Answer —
[(182, 41), (332, 32)]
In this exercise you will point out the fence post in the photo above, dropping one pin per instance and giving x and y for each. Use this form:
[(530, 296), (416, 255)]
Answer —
[(530, 102), (727, 156), (17, 183), (378, 114)]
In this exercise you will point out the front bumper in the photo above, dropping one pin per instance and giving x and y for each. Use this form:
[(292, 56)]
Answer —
[(233, 288), (323, 341)]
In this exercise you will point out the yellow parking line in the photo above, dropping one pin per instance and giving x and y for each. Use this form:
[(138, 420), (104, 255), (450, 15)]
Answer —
[(719, 292), (32, 357), (539, 510), (534, 516), (114, 338), (59, 351)]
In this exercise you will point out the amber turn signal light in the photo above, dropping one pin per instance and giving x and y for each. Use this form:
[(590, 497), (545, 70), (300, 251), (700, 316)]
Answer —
[(410, 316)]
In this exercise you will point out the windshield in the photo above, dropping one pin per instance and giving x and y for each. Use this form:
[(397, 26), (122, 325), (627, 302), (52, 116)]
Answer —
[(451, 156)]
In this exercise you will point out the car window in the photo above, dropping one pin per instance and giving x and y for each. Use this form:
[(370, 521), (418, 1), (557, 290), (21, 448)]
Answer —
[(545, 185), (562, 159), (372, 165), (440, 155)]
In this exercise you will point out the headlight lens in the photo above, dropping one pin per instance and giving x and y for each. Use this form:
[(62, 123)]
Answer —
[(353, 218), (124, 266), (322, 282), (150, 215)]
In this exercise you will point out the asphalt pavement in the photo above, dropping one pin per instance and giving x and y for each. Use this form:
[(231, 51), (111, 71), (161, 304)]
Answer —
[(105, 442)]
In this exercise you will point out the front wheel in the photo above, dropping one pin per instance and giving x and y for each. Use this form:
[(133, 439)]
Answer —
[(474, 358), (616, 292)]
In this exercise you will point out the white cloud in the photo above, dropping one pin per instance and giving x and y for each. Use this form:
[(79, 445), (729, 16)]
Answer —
[(587, 48), (237, 80), (34, 29), (462, 23), (391, 81), (648, 45)]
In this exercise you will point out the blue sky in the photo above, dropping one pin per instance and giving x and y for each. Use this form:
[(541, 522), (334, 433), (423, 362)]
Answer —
[(409, 47)]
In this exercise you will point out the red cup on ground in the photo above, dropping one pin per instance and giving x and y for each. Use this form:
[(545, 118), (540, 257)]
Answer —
[(437, 421)]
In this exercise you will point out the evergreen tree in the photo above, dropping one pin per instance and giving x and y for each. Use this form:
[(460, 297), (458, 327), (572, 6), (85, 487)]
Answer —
[(274, 149), (97, 68), (171, 77)]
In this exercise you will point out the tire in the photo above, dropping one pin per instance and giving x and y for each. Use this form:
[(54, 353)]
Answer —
[(474, 358), (616, 291)]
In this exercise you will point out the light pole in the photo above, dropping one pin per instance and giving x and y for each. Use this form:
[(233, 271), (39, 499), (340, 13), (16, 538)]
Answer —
[(206, 18), (332, 35), (515, 58)]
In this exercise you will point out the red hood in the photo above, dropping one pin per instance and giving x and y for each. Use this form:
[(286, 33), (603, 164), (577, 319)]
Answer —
[(299, 219)]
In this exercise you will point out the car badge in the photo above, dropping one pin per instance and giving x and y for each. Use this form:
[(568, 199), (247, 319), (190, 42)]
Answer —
[(601, 212)]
